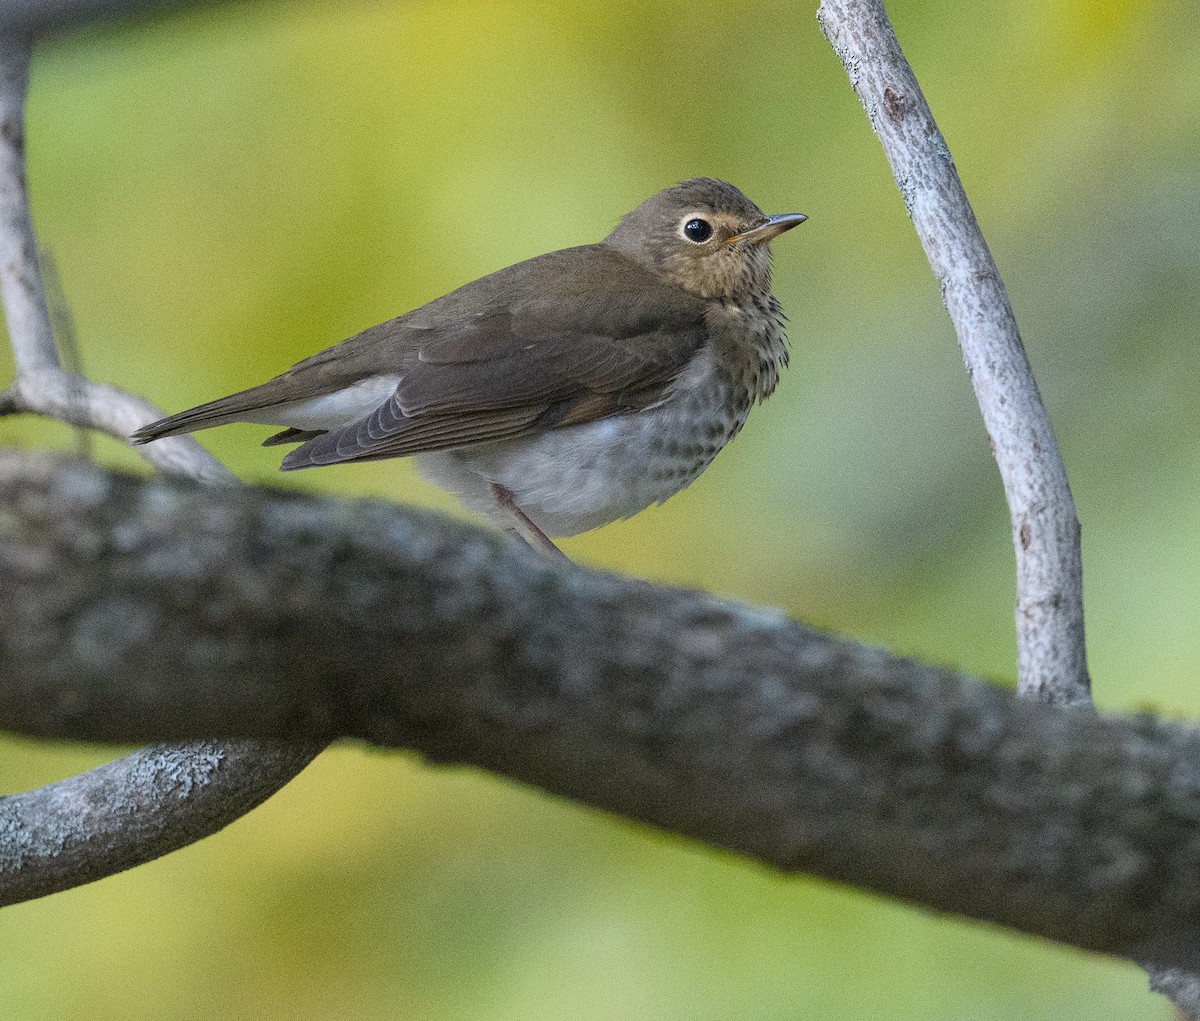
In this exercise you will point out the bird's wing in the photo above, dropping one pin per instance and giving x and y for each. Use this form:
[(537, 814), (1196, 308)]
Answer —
[(565, 338), (592, 347)]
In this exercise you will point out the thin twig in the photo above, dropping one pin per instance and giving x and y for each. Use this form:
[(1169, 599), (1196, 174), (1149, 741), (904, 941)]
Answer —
[(47, 841), (66, 337), (1051, 657), (41, 386), (29, 330), (67, 397)]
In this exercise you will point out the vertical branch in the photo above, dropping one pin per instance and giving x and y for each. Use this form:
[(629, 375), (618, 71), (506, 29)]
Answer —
[(42, 386), (24, 300), (1051, 658), (157, 799)]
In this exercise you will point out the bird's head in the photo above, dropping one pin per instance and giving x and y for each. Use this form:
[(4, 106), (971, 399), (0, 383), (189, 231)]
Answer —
[(705, 236)]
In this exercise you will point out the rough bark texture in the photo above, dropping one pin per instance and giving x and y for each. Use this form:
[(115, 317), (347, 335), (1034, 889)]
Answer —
[(68, 834), (1051, 657), (1182, 988), (140, 610), (161, 798), (732, 726)]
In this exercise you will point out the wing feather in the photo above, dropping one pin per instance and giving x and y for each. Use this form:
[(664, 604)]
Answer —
[(566, 338), (354, 442)]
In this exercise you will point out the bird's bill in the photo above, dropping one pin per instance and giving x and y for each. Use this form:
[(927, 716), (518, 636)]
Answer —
[(774, 226)]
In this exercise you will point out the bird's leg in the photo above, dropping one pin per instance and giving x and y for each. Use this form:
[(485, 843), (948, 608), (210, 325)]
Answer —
[(523, 528)]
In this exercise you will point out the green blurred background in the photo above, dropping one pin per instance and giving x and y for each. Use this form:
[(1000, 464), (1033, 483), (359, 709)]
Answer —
[(230, 189)]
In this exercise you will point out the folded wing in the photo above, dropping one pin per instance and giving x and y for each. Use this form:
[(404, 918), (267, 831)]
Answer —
[(567, 338)]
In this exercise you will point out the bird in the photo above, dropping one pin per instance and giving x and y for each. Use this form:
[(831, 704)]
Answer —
[(562, 393)]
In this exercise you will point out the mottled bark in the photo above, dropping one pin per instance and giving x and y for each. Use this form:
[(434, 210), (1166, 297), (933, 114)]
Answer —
[(139, 807), (138, 610), (733, 726), (68, 834)]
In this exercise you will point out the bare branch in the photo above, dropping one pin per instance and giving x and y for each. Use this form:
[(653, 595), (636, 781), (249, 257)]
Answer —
[(47, 842), (138, 609), (69, 398), (127, 812), (41, 386), (1051, 657), (1046, 838), (20, 281), (1051, 654)]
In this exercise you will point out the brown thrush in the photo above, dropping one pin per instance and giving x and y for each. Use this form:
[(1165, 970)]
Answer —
[(561, 393)]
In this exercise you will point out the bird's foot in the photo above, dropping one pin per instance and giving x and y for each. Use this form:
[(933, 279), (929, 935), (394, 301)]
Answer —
[(522, 527)]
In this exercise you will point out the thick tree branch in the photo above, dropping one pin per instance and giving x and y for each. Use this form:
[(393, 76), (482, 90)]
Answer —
[(1051, 657), (47, 843), (139, 609), (802, 749)]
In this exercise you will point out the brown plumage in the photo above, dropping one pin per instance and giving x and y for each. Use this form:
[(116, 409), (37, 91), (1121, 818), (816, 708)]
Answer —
[(551, 345)]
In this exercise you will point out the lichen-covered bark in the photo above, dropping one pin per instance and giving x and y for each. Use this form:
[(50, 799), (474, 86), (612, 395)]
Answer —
[(138, 610), (157, 799)]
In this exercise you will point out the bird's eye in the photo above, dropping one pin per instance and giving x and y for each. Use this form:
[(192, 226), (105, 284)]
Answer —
[(697, 230)]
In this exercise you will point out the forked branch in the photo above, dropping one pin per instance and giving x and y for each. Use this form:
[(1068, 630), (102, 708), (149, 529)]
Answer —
[(159, 799)]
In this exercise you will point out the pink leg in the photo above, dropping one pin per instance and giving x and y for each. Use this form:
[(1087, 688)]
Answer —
[(523, 528)]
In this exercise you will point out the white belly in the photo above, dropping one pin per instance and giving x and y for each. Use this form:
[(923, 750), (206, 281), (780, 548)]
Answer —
[(581, 477), (572, 479)]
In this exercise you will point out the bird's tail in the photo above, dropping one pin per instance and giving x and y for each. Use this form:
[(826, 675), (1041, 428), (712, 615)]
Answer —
[(238, 407)]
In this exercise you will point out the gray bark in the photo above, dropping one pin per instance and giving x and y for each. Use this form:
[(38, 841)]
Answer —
[(161, 799), (139, 807), (141, 610), (1051, 656), (1036, 821), (21, 289), (1051, 650)]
